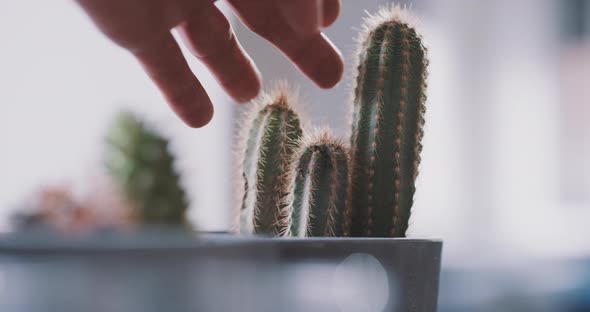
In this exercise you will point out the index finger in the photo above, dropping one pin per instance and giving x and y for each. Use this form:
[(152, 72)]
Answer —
[(162, 59)]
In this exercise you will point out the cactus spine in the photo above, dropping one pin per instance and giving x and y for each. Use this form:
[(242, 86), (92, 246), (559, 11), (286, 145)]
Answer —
[(270, 141), (387, 125), (318, 185), (141, 165)]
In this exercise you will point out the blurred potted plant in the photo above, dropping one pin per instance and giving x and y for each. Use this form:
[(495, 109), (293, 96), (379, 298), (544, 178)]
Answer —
[(142, 167), (142, 187)]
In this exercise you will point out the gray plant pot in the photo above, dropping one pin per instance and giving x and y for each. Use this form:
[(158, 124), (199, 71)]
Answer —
[(171, 271)]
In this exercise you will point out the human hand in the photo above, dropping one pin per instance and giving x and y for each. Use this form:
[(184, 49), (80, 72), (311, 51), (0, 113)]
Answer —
[(143, 27)]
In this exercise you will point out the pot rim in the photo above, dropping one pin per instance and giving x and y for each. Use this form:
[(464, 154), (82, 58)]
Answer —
[(176, 240)]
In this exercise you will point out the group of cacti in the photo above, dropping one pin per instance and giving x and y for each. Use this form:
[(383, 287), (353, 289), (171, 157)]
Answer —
[(301, 184)]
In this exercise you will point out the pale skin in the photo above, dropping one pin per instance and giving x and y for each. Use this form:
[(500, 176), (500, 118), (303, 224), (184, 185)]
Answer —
[(143, 28)]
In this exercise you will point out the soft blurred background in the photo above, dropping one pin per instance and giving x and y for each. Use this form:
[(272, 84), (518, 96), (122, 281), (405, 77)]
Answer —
[(505, 177)]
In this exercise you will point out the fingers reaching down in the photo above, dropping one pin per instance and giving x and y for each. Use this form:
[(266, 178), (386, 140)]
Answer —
[(143, 27)]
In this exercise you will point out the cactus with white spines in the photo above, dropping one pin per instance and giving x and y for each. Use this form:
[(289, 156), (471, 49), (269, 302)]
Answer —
[(318, 184), (370, 190), (272, 133), (387, 124)]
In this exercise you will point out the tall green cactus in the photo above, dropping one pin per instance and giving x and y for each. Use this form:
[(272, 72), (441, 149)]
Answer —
[(273, 131), (387, 125), (140, 163), (318, 185)]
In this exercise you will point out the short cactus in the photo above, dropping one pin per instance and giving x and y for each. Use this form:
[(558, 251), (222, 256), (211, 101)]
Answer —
[(272, 133), (318, 185), (387, 125), (140, 163)]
